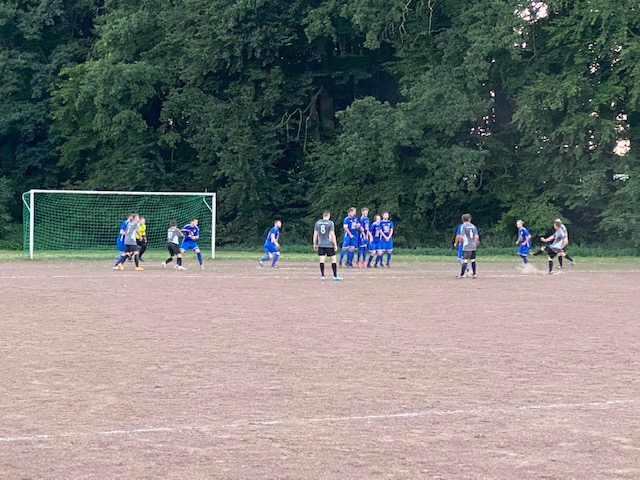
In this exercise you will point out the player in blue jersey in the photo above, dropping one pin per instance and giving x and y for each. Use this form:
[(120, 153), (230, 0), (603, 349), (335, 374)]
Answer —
[(386, 237), (351, 228), (523, 241), (190, 241), (272, 245), (130, 243), (120, 241), (458, 230), (469, 239), (364, 239), (374, 235)]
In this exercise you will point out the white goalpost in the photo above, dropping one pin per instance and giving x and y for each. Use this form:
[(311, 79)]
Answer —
[(90, 220)]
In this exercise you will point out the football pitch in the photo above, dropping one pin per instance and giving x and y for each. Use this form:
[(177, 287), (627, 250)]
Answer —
[(241, 372)]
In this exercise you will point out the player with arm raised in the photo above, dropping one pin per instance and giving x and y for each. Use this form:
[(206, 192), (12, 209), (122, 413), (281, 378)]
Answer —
[(190, 239), (325, 243), (386, 237), (523, 242), (272, 245), (469, 239)]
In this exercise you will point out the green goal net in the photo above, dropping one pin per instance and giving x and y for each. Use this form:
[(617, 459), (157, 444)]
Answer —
[(90, 220)]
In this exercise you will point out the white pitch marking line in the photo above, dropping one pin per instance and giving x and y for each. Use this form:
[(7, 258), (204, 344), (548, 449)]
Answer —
[(302, 421)]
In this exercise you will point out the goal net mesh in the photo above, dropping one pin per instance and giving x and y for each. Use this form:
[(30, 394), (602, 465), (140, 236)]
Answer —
[(86, 221)]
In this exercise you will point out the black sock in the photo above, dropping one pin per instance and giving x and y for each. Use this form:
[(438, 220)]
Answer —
[(179, 261), (135, 259), (168, 260), (334, 267), (568, 257), (322, 268), (560, 261), (464, 269), (550, 266), (473, 267)]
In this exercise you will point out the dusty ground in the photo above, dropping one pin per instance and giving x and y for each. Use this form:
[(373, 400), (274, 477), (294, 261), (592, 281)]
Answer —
[(237, 372)]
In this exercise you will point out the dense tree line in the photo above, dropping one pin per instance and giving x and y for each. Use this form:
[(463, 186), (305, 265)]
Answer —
[(426, 108)]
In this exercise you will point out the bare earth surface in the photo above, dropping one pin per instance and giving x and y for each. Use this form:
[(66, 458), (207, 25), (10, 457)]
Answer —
[(238, 372)]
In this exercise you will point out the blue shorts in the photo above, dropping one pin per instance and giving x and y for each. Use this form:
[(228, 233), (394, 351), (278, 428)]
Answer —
[(523, 251), (271, 248), (120, 246), (373, 246), (350, 242), (386, 245), (362, 243), (460, 251), (189, 244)]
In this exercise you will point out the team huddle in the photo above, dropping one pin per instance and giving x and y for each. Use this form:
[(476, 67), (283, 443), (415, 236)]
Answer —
[(132, 242)]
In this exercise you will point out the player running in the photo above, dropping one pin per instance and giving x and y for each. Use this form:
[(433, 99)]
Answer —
[(469, 239), (386, 238), (325, 243), (523, 241), (190, 240), (364, 239), (351, 230), (130, 244), (174, 234), (271, 245), (558, 241)]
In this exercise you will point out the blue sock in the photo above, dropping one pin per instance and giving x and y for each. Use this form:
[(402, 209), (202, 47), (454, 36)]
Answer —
[(342, 254), (388, 257), (460, 260), (525, 259), (199, 257), (120, 260), (275, 259), (379, 260), (265, 258), (369, 262), (350, 257)]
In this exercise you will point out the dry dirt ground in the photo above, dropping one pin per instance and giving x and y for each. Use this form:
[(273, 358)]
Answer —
[(241, 372)]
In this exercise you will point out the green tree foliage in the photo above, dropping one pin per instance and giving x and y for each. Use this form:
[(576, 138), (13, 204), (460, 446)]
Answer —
[(425, 108)]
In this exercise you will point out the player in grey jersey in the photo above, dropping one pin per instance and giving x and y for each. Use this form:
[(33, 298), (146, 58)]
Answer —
[(130, 243), (469, 239), (325, 243), (174, 234)]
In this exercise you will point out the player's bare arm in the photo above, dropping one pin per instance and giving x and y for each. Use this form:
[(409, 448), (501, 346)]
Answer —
[(315, 240)]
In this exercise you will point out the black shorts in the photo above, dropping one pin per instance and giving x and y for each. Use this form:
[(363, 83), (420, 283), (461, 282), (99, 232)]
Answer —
[(330, 251), (130, 248), (174, 249), (553, 253), (468, 255)]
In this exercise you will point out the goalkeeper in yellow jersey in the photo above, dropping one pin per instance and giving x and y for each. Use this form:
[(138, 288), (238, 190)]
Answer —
[(141, 238)]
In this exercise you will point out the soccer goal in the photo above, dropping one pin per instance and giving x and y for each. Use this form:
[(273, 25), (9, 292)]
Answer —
[(90, 220)]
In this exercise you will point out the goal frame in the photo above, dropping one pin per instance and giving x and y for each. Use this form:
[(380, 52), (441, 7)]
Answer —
[(32, 205)]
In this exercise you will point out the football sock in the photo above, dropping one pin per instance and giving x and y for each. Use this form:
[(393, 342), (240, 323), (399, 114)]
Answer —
[(550, 266), (120, 260), (275, 259), (388, 258), (179, 261), (135, 260), (265, 258), (350, 257), (473, 267), (464, 269), (378, 260), (342, 254), (369, 262), (334, 267), (525, 259), (199, 257), (560, 260), (460, 260), (322, 268), (568, 257), (168, 260)]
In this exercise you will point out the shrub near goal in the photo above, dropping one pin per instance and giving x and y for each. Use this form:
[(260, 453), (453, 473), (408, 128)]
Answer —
[(89, 220)]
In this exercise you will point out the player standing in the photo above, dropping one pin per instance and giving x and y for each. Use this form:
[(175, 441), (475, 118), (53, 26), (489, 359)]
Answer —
[(130, 244), (364, 239), (558, 241), (351, 229), (564, 250), (190, 241), (469, 239), (325, 243), (120, 241), (458, 230), (523, 242), (174, 234), (272, 245), (386, 237), (141, 237)]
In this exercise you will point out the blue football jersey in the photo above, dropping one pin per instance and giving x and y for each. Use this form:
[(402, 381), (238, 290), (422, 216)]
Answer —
[(275, 231)]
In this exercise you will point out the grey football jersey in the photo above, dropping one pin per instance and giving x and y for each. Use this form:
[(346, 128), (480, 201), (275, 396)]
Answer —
[(130, 235), (173, 235), (324, 229), (468, 232)]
